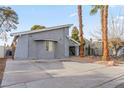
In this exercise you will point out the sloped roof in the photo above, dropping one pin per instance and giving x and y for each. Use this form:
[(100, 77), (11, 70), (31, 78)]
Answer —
[(41, 30)]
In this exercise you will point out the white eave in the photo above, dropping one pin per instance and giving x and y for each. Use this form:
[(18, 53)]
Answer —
[(73, 40), (42, 30)]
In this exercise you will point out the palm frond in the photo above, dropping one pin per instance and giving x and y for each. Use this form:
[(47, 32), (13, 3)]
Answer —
[(95, 9)]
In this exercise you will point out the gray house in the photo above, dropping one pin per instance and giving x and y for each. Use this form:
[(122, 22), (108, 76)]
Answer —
[(121, 52), (48, 43)]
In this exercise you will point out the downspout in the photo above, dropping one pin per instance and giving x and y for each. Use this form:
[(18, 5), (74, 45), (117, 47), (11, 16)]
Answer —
[(28, 48)]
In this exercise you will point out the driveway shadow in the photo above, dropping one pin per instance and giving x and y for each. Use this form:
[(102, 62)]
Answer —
[(91, 80), (50, 65), (71, 75), (120, 85)]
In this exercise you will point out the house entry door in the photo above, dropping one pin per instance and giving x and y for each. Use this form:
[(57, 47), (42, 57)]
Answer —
[(72, 51)]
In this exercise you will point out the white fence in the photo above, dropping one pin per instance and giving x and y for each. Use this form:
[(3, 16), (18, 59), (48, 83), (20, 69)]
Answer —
[(2, 51)]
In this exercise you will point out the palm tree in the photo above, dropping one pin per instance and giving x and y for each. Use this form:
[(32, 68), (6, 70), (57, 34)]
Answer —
[(105, 33), (104, 28), (81, 31), (93, 11)]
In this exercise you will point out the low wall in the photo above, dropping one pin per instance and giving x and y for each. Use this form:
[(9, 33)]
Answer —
[(2, 51)]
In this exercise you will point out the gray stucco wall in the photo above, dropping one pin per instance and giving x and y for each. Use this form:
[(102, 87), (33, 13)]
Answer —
[(29, 45), (41, 51), (22, 48), (121, 52), (66, 42)]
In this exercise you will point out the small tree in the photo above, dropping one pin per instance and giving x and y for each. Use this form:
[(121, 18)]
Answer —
[(116, 35), (116, 44), (37, 27), (75, 34)]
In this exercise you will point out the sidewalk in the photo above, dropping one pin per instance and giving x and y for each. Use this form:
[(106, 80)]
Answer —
[(62, 74)]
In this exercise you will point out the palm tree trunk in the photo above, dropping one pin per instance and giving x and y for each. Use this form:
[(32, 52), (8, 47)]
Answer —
[(81, 31), (101, 13), (105, 34)]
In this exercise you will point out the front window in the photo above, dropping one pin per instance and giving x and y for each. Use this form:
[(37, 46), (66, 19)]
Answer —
[(49, 46)]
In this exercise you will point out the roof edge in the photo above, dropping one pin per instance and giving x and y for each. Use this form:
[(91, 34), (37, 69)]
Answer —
[(73, 40), (35, 31)]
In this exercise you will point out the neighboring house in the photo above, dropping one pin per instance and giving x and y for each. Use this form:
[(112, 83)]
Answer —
[(86, 47), (48, 43), (5, 52), (121, 52), (97, 47), (8, 52)]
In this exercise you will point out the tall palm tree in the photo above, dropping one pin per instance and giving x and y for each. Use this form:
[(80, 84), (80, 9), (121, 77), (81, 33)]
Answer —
[(81, 31), (93, 11), (104, 28), (105, 34)]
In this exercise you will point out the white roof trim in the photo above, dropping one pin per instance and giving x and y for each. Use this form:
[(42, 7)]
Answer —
[(42, 30), (73, 40)]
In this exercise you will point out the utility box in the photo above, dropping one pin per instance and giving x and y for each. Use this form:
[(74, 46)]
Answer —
[(2, 52)]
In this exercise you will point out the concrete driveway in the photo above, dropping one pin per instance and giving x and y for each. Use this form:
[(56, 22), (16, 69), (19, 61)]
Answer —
[(50, 74)]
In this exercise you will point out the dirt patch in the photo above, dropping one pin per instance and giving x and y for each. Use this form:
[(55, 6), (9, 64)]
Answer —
[(96, 59), (2, 68), (85, 59)]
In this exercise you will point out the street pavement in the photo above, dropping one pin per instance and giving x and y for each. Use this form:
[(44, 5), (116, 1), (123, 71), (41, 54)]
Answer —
[(56, 74)]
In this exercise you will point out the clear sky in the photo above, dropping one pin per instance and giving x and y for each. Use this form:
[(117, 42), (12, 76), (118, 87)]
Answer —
[(57, 15)]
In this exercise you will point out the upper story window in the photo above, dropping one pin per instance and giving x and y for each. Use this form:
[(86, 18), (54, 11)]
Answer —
[(49, 46)]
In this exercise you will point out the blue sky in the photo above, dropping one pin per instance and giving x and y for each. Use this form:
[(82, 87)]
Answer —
[(57, 15)]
